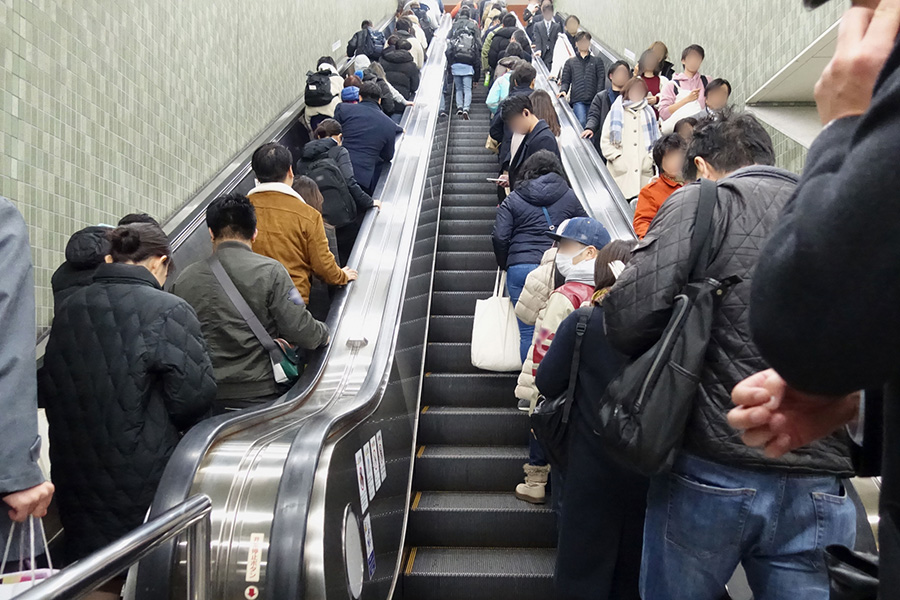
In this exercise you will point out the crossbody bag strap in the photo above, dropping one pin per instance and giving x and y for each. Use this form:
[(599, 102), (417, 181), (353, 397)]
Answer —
[(549, 220), (580, 330), (701, 237), (244, 309)]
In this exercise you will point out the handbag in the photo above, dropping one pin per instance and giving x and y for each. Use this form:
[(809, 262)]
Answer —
[(852, 575), (13, 584), (495, 332), (284, 358), (644, 410), (550, 418)]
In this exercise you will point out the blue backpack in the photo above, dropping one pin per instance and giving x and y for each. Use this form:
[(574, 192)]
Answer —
[(378, 42)]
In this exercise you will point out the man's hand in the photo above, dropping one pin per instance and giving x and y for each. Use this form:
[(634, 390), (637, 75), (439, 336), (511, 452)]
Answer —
[(778, 418), (587, 134), (31, 502), (561, 95), (503, 180), (352, 275), (865, 40)]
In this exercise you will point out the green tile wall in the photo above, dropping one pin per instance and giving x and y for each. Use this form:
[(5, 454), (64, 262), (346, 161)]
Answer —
[(116, 106), (746, 41)]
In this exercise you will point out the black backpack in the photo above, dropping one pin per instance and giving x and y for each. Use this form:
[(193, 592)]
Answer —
[(338, 207), (463, 47), (318, 88), (424, 23), (377, 42)]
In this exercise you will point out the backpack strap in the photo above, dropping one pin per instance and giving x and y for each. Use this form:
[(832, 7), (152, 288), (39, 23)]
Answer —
[(701, 238), (584, 318), (549, 220), (705, 81), (244, 309)]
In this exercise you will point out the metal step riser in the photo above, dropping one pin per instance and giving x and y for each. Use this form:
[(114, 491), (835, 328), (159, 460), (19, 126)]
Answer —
[(469, 392), (455, 303), (480, 187), (474, 429), (469, 213), (465, 281), (466, 261), (464, 243), (525, 529), (454, 587), (468, 474), (449, 358), (452, 226)]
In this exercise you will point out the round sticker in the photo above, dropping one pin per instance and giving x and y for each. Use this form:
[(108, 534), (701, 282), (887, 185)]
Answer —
[(251, 593)]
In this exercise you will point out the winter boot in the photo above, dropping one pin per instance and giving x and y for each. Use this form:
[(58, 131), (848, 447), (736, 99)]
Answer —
[(534, 488)]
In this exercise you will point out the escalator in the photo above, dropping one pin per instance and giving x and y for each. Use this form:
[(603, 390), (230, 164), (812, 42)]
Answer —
[(469, 537)]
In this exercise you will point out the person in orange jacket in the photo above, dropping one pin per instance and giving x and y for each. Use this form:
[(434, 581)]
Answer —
[(668, 154)]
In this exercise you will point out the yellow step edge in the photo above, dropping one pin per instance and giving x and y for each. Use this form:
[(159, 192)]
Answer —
[(424, 409), (415, 503), (420, 452), (412, 559)]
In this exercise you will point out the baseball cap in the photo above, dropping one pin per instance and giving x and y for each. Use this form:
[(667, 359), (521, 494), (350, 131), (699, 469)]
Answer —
[(582, 230)]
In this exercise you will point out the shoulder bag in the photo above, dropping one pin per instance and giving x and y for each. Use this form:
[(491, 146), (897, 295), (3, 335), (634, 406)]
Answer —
[(644, 411), (550, 419), (283, 355)]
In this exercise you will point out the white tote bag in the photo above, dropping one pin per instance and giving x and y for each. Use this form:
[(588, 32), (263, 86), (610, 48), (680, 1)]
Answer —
[(688, 110), (495, 333), (13, 584)]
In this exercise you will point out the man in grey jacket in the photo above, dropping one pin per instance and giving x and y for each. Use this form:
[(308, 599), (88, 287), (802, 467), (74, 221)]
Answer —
[(724, 503), (242, 366), (22, 485)]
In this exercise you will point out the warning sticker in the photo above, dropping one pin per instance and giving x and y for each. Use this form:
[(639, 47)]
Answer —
[(361, 480), (370, 475), (251, 593), (376, 465), (254, 556), (381, 460), (370, 545)]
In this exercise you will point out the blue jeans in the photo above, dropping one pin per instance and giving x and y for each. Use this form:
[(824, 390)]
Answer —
[(581, 112), (463, 85), (704, 518), (515, 281)]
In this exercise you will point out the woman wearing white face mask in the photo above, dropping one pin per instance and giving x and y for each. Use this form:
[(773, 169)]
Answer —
[(580, 239)]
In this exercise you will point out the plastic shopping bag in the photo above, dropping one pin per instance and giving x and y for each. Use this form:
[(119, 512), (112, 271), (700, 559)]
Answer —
[(495, 332), (13, 584)]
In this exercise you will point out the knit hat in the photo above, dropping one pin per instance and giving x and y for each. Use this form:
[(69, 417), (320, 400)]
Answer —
[(350, 94)]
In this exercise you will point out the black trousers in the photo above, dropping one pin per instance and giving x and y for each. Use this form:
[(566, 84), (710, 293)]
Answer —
[(601, 526), (346, 238)]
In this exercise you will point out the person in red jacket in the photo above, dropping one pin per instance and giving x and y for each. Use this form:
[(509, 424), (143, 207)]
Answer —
[(668, 154)]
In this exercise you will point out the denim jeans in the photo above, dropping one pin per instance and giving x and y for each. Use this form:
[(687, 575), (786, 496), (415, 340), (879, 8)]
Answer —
[(515, 281), (705, 518), (463, 85), (581, 112)]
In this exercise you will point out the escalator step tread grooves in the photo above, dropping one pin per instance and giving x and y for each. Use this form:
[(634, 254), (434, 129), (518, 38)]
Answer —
[(469, 537)]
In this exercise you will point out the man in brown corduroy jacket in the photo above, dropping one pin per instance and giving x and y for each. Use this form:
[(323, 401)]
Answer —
[(290, 231)]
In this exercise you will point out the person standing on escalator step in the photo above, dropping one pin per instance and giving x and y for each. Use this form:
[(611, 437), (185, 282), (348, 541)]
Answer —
[(582, 78), (404, 30), (496, 42), (546, 30), (619, 73), (463, 50), (400, 68)]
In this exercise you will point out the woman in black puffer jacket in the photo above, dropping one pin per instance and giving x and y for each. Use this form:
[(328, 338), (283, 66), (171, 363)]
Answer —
[(126, 371), (400, 67)]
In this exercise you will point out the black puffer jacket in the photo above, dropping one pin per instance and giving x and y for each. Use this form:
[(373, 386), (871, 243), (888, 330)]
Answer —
[(387, 99), (401, 71), (125, 372), (84, 252), (499, 43), (582, 78), (640, 304)]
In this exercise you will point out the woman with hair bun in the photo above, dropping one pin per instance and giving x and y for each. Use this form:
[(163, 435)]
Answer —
[(125, 373)]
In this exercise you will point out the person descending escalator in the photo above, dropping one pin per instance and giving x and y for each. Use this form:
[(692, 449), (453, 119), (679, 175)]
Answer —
[(618, 74), (327, 162), (629, 132)]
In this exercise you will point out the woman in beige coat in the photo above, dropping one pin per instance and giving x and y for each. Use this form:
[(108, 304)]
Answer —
[(629, 132)]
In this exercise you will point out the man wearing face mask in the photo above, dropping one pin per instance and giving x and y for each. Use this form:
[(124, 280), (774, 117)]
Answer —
[(580, 239), (724, 504)]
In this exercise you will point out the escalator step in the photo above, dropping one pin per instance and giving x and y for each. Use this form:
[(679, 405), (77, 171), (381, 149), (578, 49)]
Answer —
[(465, 281), (467, 227), (475, 426), (480, 573), (478, 187), (497, 519), (456, 304), (444, 357), (469, 468), (466, 261), (471, 200), (471, 173), (450, 328), (483, 389), (469, 213), (465, 243)]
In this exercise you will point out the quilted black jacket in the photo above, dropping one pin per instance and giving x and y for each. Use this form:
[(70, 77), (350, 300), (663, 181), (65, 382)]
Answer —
[(125, 372), (639, 306), (582, 78)]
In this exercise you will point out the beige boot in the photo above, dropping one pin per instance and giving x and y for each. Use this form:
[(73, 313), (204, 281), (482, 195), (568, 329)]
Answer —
[(533, 490)]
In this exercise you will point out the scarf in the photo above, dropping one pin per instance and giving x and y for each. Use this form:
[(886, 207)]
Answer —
[(617, 121)]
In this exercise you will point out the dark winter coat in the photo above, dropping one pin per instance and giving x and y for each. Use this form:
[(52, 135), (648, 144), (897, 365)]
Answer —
[(388, 106), (540, 138), (639, 306), (329, 148), (85, 250), (583, 78), (369, 137), (401, 71), (520, 228), (597, 113), (499, 43), (500, 132), (126, 371)]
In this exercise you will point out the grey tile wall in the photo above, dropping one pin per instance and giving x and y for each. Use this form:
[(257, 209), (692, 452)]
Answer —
[(746, 41), (116, 106)]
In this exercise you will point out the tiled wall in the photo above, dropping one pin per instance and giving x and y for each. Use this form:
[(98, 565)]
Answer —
[(746, 41), (111, 107)]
